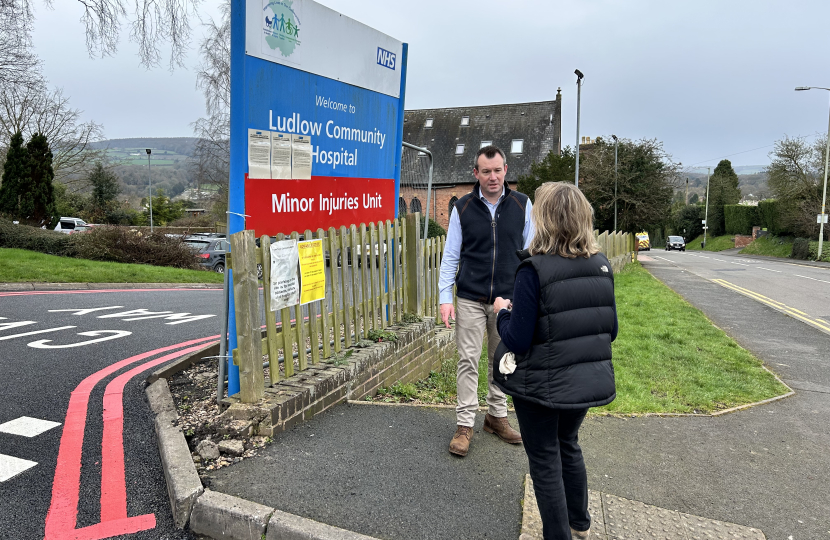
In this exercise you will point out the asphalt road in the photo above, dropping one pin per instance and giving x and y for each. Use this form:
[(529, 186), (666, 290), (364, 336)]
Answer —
[(800, 290), (41, 370)]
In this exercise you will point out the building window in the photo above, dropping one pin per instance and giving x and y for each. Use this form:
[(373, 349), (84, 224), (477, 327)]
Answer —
[(459, 149), (516, 146), (401, 207), (415, 205), (428, 123), (465, 120), (452, 203), (485, 143)]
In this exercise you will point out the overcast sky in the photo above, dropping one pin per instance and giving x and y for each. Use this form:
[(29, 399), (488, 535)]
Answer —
[(708, 78)]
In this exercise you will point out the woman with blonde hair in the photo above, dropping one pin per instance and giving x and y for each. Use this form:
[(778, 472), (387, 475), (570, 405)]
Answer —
[(559, 328)]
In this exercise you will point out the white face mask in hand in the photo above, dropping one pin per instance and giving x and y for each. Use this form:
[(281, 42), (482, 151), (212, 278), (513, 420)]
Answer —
[(507, 364)]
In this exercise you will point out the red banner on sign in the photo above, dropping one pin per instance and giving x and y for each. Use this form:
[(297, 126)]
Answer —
[(285, 206)]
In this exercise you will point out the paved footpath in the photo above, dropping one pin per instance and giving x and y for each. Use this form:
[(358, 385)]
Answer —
[(384, 471)]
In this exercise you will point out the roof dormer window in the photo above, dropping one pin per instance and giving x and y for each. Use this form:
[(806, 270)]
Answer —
[(465, 120), (516, 146), (428, 123), (459, 149)]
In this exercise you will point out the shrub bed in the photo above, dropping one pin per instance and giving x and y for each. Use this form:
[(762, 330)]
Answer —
[(35, 239), (102, 243)]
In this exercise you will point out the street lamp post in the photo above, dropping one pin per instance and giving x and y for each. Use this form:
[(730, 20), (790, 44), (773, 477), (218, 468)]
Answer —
[(579, 77), (706, 216), (616, 143), (823, 215), (150, 187)]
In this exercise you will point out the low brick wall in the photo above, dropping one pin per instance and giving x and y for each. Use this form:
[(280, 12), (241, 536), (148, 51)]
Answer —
[(742, 240), (420, 348)]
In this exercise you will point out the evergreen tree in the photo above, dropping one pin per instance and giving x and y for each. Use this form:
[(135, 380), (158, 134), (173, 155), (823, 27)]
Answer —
[(15, 169), (37, 199), (723, 188), (105, 189)]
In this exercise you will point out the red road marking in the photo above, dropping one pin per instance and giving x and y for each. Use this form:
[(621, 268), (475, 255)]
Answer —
[(85, 291), (63, 510)]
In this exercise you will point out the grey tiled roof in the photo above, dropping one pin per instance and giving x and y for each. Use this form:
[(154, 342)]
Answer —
[(538, 124)]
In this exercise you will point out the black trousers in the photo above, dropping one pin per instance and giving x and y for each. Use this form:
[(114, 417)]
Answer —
[(551, 441)]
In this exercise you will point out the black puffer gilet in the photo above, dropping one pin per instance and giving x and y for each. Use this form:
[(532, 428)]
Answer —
[(569, 363)]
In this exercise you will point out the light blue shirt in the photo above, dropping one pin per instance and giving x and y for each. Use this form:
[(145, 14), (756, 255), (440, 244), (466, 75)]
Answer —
[(452, 249)]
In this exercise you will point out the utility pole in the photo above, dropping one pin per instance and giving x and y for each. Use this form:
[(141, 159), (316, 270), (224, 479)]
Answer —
[(150, 184), (686, 198), (706, 218), (579, 77), (616, 143)]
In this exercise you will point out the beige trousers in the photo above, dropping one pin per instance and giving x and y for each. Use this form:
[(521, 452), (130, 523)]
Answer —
[(472, 319)]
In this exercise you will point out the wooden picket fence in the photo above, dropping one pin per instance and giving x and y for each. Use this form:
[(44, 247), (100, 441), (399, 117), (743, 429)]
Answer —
[(376, 274)]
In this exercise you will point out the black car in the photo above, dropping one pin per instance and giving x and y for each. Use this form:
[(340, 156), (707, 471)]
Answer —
[(675, 242), (210, 251)]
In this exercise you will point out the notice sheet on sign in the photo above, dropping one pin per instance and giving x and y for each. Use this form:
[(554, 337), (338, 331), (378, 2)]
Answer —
[(285, 285), (259, 154), (312, 271)]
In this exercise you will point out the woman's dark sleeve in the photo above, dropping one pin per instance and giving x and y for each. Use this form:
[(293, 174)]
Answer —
[(516, 327)]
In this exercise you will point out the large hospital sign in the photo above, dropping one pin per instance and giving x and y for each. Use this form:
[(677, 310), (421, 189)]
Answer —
[(316, 126)]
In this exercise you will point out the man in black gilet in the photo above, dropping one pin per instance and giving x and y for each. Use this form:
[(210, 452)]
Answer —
[(487, 227)]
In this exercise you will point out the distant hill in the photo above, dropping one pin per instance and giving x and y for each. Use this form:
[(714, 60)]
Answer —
[(175, 145)]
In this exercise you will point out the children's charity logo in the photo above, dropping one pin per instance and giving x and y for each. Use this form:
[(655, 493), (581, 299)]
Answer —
[(281, 26)]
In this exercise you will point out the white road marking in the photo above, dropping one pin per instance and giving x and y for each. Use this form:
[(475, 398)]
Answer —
[(84, 311), (814, 279), (12, 466), (42, 343), (768, 269), (733, 262), (26, 426), (36, 332)]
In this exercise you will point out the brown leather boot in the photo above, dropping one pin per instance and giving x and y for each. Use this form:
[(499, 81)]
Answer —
[(502, 429), (460, 443), (580, 535)]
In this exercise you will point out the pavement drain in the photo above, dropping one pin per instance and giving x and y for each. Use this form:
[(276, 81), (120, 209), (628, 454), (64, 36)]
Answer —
[(616, 518)]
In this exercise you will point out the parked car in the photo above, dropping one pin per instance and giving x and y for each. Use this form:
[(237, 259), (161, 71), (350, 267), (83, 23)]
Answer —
[(210, 251), (67, 225), (675, 242)]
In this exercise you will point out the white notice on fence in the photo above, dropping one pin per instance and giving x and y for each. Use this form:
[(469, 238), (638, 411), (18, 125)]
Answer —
[(285, 284), (280, 156), (300, 157), (259, 154)]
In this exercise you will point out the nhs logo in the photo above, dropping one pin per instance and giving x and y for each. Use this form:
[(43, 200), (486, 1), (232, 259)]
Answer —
[(386, 58)]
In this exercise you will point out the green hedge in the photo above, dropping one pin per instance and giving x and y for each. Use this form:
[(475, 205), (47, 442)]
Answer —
[(35, 239), (740, 218), (102, 243), (769, 216)]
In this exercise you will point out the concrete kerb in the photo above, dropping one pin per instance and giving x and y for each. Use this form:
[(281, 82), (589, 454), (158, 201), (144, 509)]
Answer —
[(216, 514)]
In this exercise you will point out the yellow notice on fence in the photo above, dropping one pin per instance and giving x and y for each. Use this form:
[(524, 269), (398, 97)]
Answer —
[(312, 271)]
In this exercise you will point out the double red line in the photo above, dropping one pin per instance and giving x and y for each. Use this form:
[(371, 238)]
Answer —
[(61, 521)]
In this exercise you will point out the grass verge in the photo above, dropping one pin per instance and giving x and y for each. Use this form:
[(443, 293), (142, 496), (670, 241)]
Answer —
[(718, 243), (668, 358), (772, 246), (21, 265)]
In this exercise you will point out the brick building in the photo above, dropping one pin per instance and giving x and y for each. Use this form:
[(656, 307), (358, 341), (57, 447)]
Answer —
[(526, 132)]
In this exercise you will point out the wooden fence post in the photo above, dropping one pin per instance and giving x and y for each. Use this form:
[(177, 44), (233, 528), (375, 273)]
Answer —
[(415, 262), (246, 306), (270, 316)]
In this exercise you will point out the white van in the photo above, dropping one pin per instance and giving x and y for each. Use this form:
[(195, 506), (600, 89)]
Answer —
[(67, 225)]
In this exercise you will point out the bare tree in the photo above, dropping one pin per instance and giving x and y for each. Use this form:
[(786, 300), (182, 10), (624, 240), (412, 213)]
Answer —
[(16, 57), (795, 179), (31, 108), (152, 24), (211, 157)]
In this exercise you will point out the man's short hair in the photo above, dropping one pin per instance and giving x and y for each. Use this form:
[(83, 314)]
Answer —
[(490, 152)]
